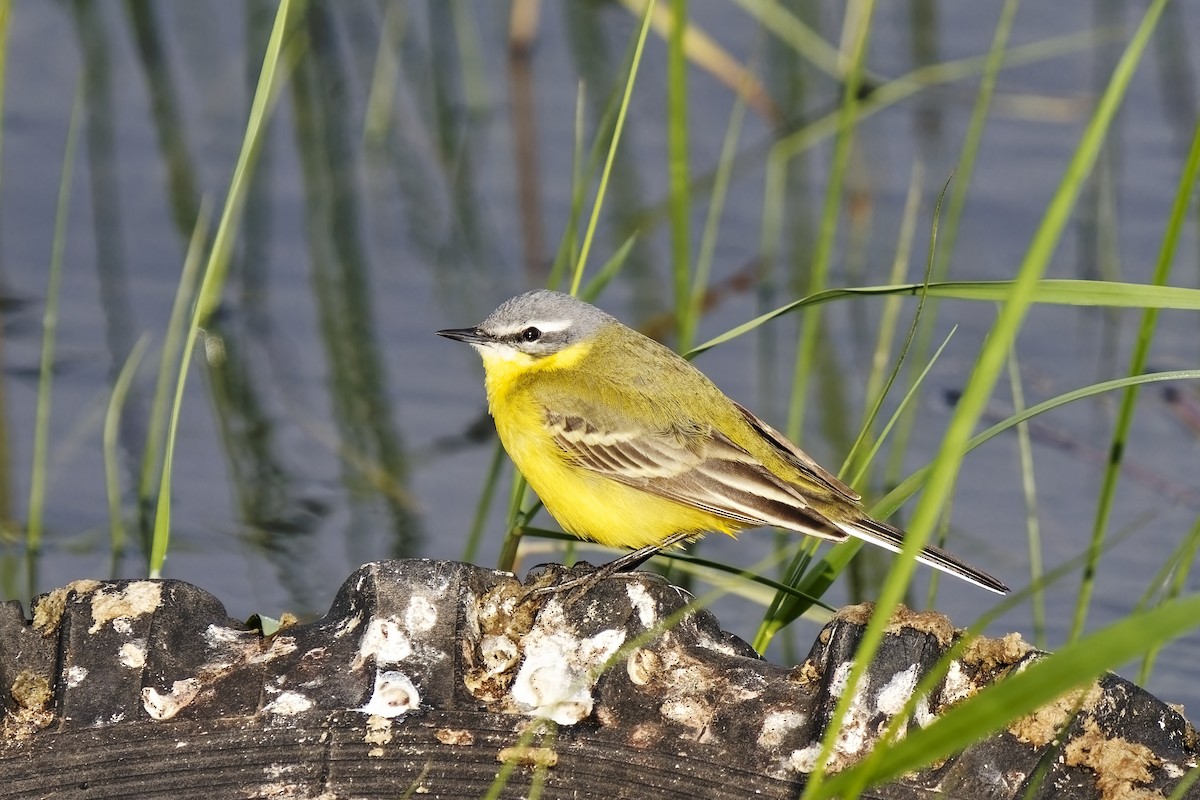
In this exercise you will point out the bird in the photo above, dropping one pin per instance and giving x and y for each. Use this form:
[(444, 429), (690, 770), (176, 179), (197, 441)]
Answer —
[(629, 445)]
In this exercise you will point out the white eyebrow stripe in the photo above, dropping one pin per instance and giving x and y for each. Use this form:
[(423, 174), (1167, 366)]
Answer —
[(545, 326)]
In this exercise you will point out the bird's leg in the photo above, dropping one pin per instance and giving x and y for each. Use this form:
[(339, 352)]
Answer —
[(630, 561), (635, 558)]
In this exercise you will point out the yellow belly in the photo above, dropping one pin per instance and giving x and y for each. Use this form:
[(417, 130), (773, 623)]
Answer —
[(589, 505)]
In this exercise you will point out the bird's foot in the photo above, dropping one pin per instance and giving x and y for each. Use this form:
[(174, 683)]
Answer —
[(570, 584)]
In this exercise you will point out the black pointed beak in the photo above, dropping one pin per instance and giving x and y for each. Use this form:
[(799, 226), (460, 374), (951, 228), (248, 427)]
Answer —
[(468, 335)]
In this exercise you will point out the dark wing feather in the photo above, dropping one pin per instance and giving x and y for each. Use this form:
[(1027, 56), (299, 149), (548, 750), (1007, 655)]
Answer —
[(698, 468), (798, 458)]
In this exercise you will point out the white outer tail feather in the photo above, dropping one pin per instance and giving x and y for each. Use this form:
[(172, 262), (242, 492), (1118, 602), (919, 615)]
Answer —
[(890, 538)]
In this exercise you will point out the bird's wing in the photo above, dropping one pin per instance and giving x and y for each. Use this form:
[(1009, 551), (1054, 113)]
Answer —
[(701, 468), (798, 458)]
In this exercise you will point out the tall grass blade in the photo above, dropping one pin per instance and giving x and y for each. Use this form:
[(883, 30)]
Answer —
[(679, 198), (156, 430), (112, 464), (515, 523), (7, 526), (785, 609), (41, 426), (712, 222), (1049, 291), (1189, 780), (790, 29), (991, 360), (888, 322), (879, 393), (963, 171), (1174, 578), (703, 51), (282, 49), (784, 612), (564, 258), (610, 270), (1137, 363), (859, 14), (518, 514), (914, 482), (594, 219), (1033, 533)]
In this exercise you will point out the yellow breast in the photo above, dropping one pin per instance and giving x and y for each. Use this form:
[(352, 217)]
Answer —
[(585, 503)]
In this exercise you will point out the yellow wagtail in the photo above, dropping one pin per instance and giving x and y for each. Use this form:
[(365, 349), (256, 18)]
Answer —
[(629, 445)]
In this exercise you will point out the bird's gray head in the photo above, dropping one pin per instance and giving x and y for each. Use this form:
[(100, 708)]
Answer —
[(534, 325)]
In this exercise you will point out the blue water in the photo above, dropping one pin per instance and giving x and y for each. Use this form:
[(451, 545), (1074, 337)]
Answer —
[(335, 429)]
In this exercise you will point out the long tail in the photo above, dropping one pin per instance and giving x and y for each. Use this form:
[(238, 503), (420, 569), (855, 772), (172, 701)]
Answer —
[(891, 538)]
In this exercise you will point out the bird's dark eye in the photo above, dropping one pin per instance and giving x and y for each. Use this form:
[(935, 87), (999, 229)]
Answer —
[(531, 334)]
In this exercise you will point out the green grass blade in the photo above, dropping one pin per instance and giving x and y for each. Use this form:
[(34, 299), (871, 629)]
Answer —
[(965, 167), (926, 77), (1137, 363), (474, 72), (785, 609), (712, 221), (960, 189), (879, 373), (1049, 291), (838, 557), (991, 359), (610, 270), (282, 49), (859, 18), (880, 390), (1181, 789), (836, 560), (41, 429), (112, 464), (517, 514), (564, 258), (168, 359), (515, 525), (1177, 568), (1069, 292), (593, 221), (7, 526), (908, 399), (913, 483), (382, 92), (1033, 534), (679, 197), (791, 30)]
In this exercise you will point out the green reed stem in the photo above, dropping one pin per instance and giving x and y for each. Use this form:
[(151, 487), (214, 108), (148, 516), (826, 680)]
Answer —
[(987, 368), (1137, 364), (679, 199), (41, 425), (848, 118), (1033, 532), (277, 62), (112, 464), (167, 360), (593, 221)]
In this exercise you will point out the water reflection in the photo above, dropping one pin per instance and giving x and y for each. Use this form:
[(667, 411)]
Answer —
[(417, 171)]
